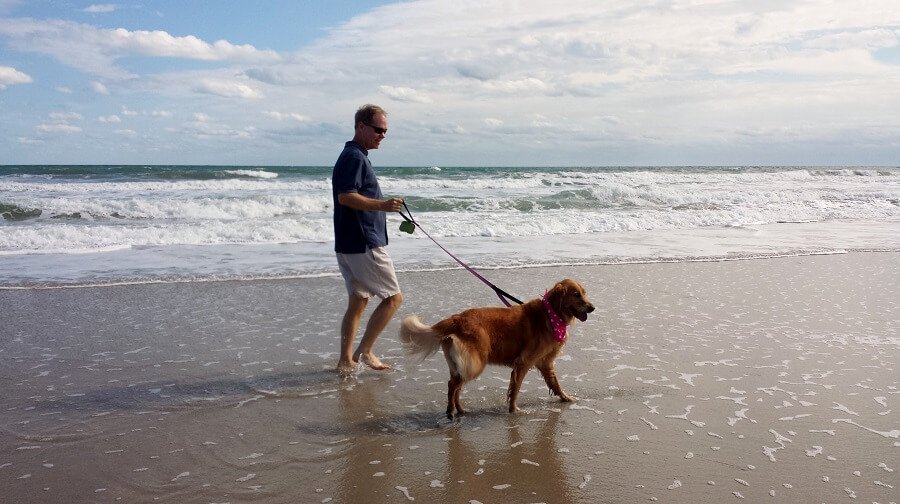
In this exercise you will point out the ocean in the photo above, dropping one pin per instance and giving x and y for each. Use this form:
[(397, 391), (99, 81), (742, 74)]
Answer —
[(96, 225)]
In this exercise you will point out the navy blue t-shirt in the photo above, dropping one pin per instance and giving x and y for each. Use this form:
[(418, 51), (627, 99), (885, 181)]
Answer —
[(356, 230)]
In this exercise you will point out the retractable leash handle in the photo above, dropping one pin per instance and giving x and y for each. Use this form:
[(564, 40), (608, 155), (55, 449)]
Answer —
[(409, 224)]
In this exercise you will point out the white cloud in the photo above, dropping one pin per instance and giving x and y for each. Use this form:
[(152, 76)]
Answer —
[(126, 132), (110, 119), (159, 113), (65, 116), (611, 119), (286, 116), (668, 74), (58, 128), (99, 88), (855, 62), (227, 89), (10, 76), (293, 74), (452, 129), (127, 112), (101, 8), (878, 38), (59, 122), (161, 44), (404, 94), (541, 121), (63, 90), (203, 127), (526, 85), (94, 50), (680, 72)]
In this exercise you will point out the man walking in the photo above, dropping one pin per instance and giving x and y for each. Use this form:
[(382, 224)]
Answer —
[(360, 238)]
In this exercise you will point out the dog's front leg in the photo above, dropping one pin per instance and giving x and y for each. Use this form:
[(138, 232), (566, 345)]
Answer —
[(515, 383), (549, 373)]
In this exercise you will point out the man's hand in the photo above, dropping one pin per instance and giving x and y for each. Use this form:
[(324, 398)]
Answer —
[(392, 205)]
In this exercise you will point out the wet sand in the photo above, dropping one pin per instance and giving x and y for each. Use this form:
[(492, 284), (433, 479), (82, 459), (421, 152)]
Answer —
[(765, 380)]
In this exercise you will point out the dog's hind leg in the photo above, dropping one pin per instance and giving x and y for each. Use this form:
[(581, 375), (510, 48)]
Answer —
[(549, 373), (454, 387)]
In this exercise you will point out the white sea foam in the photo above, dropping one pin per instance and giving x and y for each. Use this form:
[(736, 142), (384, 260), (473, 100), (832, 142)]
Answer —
[(252, 173), (247, 222)]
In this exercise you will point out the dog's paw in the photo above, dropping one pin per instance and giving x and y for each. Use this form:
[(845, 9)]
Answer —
[(566, 398)]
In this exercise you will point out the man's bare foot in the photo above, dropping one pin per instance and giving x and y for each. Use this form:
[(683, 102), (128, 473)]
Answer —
[(346, 369), (373, 362)]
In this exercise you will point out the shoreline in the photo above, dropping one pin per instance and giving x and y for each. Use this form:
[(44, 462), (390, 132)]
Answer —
[(454, 267), (770, 380)]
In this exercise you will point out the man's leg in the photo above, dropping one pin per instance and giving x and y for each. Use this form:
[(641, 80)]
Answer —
[(377, 322), (356, 305)]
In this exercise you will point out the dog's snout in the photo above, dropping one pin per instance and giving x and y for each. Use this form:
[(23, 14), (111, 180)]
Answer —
[(590, 308)]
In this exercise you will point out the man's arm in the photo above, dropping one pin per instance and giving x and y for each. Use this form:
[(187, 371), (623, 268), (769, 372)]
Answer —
[(357, 201)]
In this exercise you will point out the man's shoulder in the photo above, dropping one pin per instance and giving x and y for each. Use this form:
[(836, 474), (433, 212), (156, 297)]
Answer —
[(352, 156), (352, 148)]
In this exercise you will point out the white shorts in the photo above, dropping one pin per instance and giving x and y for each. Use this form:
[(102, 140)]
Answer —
[(369, 274)]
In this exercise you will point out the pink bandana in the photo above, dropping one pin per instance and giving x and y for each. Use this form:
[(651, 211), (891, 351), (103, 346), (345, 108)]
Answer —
[(559, 327)]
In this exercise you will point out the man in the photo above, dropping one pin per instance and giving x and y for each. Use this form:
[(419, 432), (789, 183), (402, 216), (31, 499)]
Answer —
[(360, 237)]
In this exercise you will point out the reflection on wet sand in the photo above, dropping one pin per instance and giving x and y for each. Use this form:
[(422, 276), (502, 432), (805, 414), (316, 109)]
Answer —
[(517, 452), (368, 456)]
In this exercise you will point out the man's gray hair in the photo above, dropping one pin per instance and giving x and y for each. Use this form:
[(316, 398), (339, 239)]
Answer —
[(367, 113)]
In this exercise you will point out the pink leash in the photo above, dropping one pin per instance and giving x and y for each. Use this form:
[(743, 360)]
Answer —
[(502, 294)]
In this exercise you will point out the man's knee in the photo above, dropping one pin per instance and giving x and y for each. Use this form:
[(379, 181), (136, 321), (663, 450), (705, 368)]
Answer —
[(396, 300), (357, 303)]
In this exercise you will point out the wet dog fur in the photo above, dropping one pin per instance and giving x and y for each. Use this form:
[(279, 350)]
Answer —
[(520, 337)]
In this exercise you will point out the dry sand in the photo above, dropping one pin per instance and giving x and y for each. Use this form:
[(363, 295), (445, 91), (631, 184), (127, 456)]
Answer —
[(764, 380)]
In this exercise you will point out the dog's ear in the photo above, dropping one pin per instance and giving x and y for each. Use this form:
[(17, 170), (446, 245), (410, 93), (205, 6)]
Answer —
[(557, 297)]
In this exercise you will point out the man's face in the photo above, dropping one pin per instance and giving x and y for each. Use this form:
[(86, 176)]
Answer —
[(370, 134)]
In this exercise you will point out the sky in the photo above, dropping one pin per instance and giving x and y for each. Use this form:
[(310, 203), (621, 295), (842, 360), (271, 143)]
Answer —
[(465, 83)]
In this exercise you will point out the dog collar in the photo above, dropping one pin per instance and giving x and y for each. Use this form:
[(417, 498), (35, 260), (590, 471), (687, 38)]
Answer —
[(559, 327)]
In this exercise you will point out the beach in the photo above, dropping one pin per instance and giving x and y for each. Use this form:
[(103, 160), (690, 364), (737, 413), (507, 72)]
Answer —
[(763, 380)]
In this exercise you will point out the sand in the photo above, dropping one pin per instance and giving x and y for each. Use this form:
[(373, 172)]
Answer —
[(764, 380)]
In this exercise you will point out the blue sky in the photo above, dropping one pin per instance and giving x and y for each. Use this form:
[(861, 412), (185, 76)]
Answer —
[(465, 83)]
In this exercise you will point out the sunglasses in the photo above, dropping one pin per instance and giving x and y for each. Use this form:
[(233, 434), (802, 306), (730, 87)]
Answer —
[(376, 129)]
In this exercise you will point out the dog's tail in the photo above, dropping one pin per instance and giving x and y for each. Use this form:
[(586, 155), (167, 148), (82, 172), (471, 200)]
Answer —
[(418, 338)]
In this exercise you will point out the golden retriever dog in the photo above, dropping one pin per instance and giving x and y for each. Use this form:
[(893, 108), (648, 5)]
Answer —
[(521, 337)]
